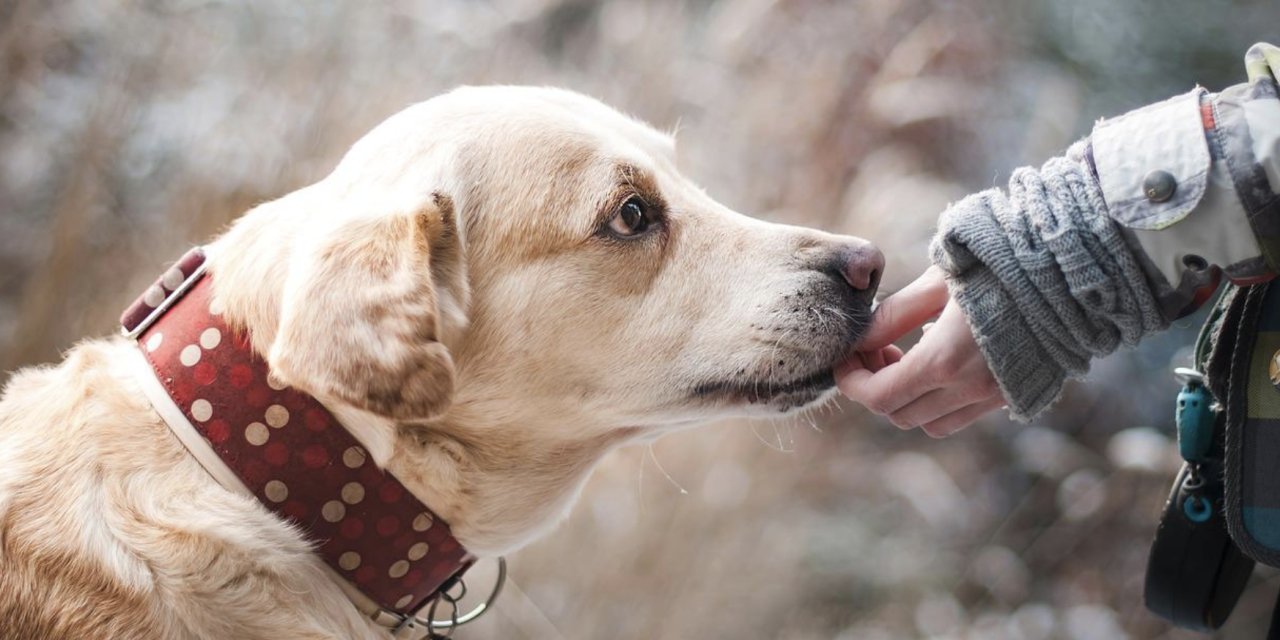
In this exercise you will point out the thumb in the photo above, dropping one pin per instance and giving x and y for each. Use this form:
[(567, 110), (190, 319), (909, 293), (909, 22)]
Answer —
[(906, 310)]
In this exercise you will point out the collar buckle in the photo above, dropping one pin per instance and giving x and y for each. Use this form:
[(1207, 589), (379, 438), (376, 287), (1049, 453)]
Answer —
[(133, 323)]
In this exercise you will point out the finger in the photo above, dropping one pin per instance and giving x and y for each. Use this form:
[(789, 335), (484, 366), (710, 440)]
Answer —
[(906, 310), (873, 360), (957, 420), (892, 354), (887, 390), (870, 360), (883, 358), (936, 404), (850, 364)]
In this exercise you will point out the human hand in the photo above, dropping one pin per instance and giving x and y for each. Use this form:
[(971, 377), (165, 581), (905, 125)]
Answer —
[(942, 384)]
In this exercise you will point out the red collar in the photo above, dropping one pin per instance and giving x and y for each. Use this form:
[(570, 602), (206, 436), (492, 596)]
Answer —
[(289, 451)]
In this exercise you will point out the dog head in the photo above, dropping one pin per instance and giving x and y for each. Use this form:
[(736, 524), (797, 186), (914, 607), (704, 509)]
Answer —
[(534, 245), (534, 259)]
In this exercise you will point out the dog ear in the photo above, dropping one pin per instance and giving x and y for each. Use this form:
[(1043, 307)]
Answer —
[(360, 318)]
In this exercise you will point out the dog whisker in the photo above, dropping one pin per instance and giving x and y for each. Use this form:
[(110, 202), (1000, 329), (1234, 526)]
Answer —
[(664, 472)]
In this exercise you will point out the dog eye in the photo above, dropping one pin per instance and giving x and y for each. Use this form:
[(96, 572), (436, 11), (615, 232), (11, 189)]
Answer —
[(633, 218)]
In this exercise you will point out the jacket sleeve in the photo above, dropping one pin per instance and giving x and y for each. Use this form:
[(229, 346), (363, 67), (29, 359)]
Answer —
[(1191, 180), (1130, 229)]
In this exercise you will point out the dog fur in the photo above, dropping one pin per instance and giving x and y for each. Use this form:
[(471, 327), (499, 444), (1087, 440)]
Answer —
[(457, 294)]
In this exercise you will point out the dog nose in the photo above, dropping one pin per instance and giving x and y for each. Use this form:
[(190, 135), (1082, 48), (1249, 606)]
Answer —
[(861, 266)]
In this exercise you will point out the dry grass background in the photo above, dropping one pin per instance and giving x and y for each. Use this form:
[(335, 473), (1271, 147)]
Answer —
[(131, 130)]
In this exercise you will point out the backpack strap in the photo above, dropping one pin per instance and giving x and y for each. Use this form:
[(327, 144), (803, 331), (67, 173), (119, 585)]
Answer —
[(1249, 348)]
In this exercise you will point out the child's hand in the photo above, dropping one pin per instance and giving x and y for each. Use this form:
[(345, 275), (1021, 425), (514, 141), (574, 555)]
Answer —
[(942, 384)]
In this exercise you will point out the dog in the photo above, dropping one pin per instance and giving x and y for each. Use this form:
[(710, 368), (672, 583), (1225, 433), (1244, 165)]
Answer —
[(492, 290)]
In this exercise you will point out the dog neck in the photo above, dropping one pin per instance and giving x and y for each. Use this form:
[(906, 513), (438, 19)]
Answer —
[(500, 484), (260, 438)]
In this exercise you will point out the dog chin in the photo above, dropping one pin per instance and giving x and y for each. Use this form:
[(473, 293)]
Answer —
[(779, 396)]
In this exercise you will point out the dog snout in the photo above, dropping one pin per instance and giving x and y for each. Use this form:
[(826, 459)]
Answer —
[(860, 264)]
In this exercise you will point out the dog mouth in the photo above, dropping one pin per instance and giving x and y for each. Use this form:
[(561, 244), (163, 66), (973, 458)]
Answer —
[(787, 394), (830, 320)]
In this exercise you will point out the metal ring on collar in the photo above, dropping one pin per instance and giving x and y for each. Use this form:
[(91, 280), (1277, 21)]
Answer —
[(459, 620)]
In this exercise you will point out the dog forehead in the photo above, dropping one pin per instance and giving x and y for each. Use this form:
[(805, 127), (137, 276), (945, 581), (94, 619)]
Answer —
[(515, 107), (516, 129), (519, 125)]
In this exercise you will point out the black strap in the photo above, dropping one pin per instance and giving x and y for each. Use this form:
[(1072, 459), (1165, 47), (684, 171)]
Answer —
[(1274, 632)]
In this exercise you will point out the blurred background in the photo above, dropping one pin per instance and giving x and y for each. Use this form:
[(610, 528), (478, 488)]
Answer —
[(132, 130)]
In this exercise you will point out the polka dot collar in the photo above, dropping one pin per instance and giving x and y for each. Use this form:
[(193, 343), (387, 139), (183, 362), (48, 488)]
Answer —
[(288, 450)]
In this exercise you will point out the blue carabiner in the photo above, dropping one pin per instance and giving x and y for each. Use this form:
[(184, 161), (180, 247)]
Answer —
[(1195, 422)]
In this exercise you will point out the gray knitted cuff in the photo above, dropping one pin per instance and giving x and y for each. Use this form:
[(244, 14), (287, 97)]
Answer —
[(1045, 279), (1029, 378)]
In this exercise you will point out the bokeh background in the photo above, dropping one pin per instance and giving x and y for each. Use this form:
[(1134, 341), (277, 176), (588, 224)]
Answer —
[(132, 130)]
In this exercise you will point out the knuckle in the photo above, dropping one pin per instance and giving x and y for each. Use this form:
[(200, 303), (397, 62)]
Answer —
[(903, 426), (937, 430), (877, 406), (902, 422), (950, 361)]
